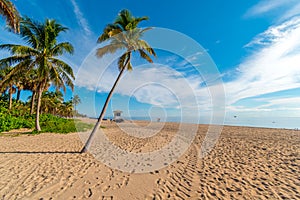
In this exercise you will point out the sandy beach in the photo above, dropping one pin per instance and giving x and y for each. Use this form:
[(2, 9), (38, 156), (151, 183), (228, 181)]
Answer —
[(246, 163)]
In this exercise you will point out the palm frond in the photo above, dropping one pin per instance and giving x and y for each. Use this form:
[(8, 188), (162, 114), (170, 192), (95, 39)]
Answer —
[(15, 71), (123, 19), (109, 31), (31, 32), (142, 44), (63, 66), (60, 78), (145, 29), (61, 48), (56, 78), (121, 61), (19, 49), (144, 55), (124, 61), (111, 48), (139, 19), (12, 60), (129, 66), (52, 30), (10, 13)]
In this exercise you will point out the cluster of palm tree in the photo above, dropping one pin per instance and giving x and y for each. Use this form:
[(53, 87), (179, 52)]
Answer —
[(35, 66), (39, 58), (53, 103)]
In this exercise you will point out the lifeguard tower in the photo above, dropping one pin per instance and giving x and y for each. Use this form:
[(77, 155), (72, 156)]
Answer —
[(117, 116)]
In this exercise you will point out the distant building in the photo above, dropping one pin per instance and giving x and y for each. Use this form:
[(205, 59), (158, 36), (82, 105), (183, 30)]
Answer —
[(117, 116)]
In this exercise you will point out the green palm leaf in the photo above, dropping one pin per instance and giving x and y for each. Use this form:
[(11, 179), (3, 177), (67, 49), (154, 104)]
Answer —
[(10, 13)]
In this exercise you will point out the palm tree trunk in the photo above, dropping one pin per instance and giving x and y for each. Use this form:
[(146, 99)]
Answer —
[(97, 125), (10, 97), (37, 119), (32, 102), (18, 94)]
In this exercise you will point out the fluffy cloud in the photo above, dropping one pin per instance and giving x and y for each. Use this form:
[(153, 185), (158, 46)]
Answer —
[(155, 84), (274, 66)]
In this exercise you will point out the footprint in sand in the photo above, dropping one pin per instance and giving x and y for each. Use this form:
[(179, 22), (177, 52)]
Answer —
[(106, 188)]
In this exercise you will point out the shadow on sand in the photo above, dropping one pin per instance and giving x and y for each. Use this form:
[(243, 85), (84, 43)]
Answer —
[(40, 152)]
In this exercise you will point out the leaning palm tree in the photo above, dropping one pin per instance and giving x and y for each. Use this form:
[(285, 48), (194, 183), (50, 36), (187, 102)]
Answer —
[(10, 13), (41, 54), (123, 34)]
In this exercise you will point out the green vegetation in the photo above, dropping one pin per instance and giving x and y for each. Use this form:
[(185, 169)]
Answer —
[(40, 58), (54, 124), (35, 67), (21, 118)]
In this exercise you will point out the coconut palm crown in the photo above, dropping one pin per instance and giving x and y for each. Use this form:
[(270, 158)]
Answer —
[(124, 34)]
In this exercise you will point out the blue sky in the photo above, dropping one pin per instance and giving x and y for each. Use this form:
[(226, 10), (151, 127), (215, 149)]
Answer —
[(254, 45)]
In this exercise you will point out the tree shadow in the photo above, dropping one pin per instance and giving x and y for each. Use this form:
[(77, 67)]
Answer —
[(40, 152)]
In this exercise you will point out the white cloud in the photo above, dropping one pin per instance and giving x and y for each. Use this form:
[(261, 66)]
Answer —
[(271, 107), (293, 11), (150, 83), (286, 8), (82, 21), (282, 103), (273, 67), (156, 84), (275, 33), (265, 6)]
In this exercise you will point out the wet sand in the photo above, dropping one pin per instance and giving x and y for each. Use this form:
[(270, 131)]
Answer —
[(246, 163)]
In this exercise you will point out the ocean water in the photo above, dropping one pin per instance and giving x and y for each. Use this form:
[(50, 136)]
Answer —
[(270, 122), (266, 122)]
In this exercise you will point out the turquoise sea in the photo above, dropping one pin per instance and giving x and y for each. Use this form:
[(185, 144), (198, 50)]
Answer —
[(270, 122)]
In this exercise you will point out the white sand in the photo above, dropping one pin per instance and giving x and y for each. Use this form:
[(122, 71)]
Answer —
[(246, 163)]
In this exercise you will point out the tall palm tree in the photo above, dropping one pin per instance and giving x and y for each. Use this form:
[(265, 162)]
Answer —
[(11, 91), (8, 85), (30, 83), (123, 34), (18, 80), (76, 100), (41, 54), (10, 13), (15, 83)]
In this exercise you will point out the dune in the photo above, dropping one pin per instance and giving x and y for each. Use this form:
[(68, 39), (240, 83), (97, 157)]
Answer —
[(246, 163)]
